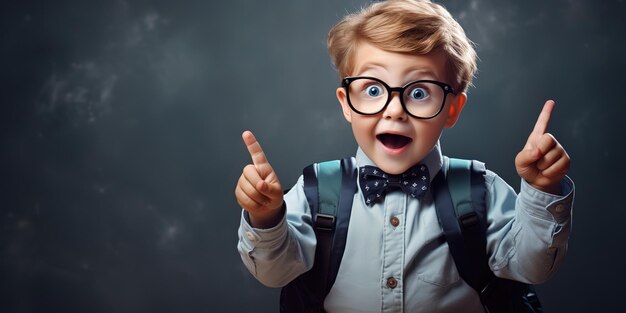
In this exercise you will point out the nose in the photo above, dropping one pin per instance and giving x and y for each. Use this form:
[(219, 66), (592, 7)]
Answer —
[(394, 110)]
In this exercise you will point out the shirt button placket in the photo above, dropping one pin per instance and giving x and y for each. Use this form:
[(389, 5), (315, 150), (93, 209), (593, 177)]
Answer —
[(393, 252)]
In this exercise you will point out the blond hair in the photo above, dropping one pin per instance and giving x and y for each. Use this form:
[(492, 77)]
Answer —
[(406, 26)]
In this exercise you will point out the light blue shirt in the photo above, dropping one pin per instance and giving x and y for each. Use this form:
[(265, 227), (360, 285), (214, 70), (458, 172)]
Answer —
[(526, 241)]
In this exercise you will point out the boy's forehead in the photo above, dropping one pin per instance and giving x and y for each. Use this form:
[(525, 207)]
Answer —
[(371, 60), (421, 70)]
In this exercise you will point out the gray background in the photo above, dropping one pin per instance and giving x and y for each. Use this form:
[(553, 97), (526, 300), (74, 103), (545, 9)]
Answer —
[(120, 125)]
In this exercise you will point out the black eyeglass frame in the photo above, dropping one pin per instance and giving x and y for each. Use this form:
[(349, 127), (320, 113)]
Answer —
[(345, 83)]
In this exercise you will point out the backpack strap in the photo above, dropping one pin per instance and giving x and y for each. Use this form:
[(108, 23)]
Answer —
[(336, 185), (461, 210), (329, 188)]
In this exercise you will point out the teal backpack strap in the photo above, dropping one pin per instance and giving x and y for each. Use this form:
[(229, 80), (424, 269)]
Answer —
[(466, 183), (459, 184), (460, 204), (329, 188)]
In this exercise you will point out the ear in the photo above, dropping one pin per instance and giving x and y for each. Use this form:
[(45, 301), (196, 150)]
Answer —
[(343, 100), (454, 109)]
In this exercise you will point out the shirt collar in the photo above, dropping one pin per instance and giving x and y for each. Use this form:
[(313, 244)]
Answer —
[(433, 160)]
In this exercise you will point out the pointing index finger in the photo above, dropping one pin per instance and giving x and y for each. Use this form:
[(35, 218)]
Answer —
[(544, 118), (254, 148)]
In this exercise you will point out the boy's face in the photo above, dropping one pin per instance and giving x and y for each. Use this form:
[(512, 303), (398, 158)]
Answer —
[(392, 139)]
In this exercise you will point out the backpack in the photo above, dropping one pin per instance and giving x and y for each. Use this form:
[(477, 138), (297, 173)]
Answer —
[(459, 195)]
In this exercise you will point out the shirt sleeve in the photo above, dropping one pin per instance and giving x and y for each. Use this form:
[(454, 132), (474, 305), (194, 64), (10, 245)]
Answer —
[(277, 255), (527, 234)]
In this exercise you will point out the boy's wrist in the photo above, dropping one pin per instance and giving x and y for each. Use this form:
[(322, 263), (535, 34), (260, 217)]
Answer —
[(552, 189), (267, 219)]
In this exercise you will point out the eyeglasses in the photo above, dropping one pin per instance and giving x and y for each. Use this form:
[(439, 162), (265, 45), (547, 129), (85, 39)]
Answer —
[(421, 99)]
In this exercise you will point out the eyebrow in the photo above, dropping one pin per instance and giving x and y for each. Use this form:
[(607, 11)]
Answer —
[(409, 74), (411, 71), (421, 72), (370, 66)]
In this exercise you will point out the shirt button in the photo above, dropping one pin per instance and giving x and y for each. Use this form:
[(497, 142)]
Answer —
[(394, 221), (392, 282), (250, 236), (560, 208)]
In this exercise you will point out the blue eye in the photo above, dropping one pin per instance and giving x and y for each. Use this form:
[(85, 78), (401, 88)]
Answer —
[(373, 91), (419, 93)]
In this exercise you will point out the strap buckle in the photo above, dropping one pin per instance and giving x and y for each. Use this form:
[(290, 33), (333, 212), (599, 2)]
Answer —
[(324, 222), (469, 220)]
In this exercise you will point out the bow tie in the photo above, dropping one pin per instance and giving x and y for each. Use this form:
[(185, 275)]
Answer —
[(375, 183)]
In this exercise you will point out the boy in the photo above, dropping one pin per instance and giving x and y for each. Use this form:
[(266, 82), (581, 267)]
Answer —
[(395, 258)]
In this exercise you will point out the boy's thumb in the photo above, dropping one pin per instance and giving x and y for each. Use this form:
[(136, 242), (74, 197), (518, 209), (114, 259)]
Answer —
[(527, 157), (268, 189), (261, 186)]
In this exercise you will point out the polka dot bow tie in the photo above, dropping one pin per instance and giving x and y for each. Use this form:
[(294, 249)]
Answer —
[(375, 183)]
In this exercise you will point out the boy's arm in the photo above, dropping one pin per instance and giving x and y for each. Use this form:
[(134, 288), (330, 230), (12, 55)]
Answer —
[(277, 255), (528, 233), (274, 245)]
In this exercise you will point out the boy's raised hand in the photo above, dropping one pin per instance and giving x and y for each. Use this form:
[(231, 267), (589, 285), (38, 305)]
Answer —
[(258, 190), (543, 162)]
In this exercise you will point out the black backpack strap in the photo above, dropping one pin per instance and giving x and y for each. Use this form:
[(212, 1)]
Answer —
[(329, 188), (460, 205)]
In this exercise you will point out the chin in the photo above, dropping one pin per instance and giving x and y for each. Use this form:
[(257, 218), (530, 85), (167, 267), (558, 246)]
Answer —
[(391, 167)]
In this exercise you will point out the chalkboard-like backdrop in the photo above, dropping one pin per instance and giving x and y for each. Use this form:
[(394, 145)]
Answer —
[(120, 126)]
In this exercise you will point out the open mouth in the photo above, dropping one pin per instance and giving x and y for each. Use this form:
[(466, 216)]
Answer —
[(393, 141)]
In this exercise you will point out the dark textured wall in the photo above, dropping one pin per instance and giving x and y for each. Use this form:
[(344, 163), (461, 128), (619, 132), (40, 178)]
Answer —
[(120, 145)]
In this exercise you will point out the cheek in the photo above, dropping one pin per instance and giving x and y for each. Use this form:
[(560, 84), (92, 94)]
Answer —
[(364, 130), (440, 120), (430, 130)]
